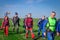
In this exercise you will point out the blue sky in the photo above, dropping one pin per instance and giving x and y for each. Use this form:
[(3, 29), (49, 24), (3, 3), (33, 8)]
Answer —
[(38, 8)]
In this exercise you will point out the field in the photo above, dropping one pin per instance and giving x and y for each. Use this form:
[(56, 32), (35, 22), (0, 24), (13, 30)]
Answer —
[(21, 35)]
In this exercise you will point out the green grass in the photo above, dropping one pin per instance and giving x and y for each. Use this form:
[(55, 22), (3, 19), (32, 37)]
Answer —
[(21, 35)]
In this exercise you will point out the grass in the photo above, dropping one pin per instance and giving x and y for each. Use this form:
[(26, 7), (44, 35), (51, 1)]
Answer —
[(21, 35)]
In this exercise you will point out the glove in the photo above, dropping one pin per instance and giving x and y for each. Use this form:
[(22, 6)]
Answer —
[(57, 34), (45, 34)]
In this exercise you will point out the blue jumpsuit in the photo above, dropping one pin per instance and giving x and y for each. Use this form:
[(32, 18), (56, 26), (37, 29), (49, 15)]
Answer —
[(58, 27), (42, 24)]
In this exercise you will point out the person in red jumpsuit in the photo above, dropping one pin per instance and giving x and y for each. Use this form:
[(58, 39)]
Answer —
[(6, 25), (29, 26)]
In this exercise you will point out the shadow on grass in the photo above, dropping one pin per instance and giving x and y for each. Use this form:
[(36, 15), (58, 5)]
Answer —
[(12, 33), (36, 38)]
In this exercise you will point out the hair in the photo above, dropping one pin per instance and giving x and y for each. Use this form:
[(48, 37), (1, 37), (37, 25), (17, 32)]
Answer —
[(5, 17), (54, 12), (43, 16), (29, 13), (16, 13)]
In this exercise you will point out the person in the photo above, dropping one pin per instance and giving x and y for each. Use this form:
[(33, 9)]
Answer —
[(58, 27), (51, 26), (29, 26), (6, 24), (42, 24), (2, 25), (16, 22), (24, 21)]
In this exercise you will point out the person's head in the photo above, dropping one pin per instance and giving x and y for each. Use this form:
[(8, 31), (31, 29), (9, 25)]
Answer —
[(53, 14), (16, 14), (29, 14), (5, 18), (43, 17), (46, 18)]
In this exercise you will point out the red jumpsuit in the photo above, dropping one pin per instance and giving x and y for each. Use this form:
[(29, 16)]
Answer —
[(29, 26), (6, 25)]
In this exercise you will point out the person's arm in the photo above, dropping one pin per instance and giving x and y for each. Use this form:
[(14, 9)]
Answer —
[(57, 27), (44, 24), (39, 21), (44, 27), (18, 21)]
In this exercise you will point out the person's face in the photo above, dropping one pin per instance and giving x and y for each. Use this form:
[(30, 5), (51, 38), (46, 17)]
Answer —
[(5, 18), (53, 15), (43, 17), (16, 15), (29, 15)]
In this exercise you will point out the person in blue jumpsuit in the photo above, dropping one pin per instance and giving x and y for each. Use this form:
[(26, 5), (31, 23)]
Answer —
[(58, 27), (41, 24)]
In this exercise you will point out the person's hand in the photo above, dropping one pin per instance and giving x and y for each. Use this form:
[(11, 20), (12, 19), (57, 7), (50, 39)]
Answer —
[(26, 27), (57, 34), (45, 34), (3, 27)]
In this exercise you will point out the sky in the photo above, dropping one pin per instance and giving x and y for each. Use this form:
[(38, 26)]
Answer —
[(38, 8)]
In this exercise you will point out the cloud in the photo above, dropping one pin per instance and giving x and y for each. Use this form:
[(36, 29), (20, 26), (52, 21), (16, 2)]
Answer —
[(29, 1), (34, 1), (25, 2), (11, 5)]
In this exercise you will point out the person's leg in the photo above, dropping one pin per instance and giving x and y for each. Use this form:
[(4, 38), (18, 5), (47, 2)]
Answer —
[(49, 36), (43, 34), (13, 28), (17, 28), (53, 35), (6, 30), (26, 32), (32, 34), (39, 29)]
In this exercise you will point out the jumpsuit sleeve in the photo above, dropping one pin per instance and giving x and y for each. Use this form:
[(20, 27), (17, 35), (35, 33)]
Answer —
[(47, 25), (26, 22), (44, 25), (39, 21)]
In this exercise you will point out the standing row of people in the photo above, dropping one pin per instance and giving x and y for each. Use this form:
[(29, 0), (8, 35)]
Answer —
[(48, 26)]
